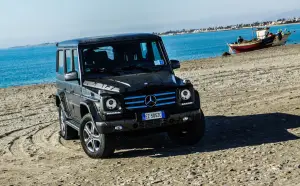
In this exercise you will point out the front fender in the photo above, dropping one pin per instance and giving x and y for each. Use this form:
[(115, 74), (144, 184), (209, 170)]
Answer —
[(58, 96), (197, 100), (88, 107)]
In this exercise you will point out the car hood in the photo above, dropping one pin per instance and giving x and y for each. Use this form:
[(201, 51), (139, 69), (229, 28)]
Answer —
[(133, 82)]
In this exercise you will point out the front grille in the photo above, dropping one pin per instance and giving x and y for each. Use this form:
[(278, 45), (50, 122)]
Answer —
[(162, 99)]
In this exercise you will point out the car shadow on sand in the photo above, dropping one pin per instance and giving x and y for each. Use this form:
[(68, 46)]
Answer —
[(222, 133)]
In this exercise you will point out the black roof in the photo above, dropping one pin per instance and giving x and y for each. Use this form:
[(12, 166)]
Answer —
[(108, 38)]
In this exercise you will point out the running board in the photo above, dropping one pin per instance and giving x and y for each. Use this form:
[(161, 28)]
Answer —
[(72, 125)]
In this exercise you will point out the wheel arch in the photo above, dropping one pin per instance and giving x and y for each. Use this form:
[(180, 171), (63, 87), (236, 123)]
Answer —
[(58, 96), (84, 109), (87, 107), (57, 100), (197, 99)]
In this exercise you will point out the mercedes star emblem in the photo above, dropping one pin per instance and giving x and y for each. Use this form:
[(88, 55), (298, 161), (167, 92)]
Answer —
[(150, 101)]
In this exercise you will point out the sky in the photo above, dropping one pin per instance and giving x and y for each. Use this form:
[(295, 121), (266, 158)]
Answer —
[(37, 21)]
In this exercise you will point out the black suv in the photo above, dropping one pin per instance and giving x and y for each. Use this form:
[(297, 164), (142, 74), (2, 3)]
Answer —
[(123, 84)]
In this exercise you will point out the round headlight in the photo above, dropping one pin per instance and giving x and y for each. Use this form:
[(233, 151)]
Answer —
[(185, 94), (111, 104)]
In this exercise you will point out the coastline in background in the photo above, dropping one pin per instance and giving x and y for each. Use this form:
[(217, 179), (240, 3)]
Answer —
[(36, 64), (278, 22)]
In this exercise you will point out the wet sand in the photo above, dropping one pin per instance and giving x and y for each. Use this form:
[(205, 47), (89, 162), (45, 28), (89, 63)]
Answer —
[(252, 104)]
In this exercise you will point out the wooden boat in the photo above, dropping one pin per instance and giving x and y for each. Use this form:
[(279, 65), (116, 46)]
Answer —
[(264, 39), (268, 41), (278, 42), (245, 46)]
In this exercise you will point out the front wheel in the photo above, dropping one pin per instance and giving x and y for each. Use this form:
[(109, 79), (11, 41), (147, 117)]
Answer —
[(189, 133), (94, 144)]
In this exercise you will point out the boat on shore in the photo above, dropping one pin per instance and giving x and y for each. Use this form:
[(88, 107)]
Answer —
[(264, 39), (245, 46), (283, 40)]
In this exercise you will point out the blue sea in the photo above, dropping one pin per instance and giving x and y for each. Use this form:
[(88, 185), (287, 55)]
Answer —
[(34, 65)]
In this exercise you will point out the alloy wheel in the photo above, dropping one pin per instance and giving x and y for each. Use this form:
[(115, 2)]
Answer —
[(91, 137)]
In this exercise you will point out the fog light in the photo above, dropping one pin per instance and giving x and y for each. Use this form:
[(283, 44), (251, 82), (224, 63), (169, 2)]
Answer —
[(185, 119), (118, 128)]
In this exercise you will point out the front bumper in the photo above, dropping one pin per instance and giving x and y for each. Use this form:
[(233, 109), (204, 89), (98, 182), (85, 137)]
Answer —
[(135, 125)]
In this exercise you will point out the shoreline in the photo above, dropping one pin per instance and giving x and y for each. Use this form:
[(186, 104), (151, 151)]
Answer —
[(29, 85), (223, 30), (183, 63)]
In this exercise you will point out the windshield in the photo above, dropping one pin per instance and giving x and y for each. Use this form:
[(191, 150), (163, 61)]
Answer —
[(123, 58)]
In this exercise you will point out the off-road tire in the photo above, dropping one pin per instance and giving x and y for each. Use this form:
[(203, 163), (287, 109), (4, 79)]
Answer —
[(189, 133), (66, 132), (105, 143)]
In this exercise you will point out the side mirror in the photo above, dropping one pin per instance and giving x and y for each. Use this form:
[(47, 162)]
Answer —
[(71, 76), (175, 64)]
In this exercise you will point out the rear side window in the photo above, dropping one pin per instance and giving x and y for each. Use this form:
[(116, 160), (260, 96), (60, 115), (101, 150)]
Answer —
[(68, 61), (75, 57), (60, 61), (75, 60)]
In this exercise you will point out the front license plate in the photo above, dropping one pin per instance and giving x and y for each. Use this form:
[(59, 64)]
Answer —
[(153, 115)]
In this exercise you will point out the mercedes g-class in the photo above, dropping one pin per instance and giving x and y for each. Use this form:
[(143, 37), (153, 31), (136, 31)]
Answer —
[(116, 85)]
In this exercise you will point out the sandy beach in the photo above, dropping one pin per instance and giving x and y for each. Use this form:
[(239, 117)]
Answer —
[(252, 107)]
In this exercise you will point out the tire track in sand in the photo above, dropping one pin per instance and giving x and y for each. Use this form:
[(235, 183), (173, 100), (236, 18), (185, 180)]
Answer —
[(17, 130), (18, 147), (47, 141)]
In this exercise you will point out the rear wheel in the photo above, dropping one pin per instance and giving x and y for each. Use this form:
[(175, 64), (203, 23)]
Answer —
[(189, 133), (94, 144), (66, 131)]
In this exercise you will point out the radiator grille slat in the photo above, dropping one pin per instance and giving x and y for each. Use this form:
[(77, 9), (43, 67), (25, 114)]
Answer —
[(162, 99)]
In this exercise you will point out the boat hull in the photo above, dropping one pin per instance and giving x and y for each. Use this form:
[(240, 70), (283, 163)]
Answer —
[(268, 41), (278, 42), (261, 42), (245, 47), (265, 43)]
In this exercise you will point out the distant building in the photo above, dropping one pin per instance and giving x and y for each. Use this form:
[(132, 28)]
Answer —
[(233, 27)]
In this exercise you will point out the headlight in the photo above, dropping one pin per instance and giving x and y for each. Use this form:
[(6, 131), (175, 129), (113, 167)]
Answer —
[(111, 104), (185, 94)]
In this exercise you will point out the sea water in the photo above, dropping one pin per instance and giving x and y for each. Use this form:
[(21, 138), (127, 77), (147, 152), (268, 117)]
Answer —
[(33, 65)]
